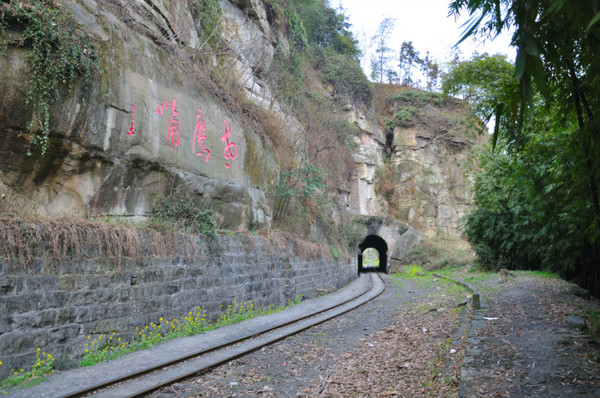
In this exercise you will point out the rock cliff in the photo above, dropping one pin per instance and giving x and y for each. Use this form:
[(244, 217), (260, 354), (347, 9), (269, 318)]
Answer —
[(417, 169), (149, 122), (145, 125)]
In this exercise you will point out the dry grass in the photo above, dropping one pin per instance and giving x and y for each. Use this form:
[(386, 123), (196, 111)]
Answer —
[(282, 241), (21, 241), (14, 203)]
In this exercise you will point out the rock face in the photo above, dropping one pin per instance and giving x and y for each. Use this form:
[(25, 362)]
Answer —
[(144, 126), (426, 167), (148, 125), (371, 148), (430, 160)]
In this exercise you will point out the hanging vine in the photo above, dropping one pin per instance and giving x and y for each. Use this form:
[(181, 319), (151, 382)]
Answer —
[(59, 54)]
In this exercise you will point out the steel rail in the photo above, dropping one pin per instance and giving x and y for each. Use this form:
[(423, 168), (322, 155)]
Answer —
[(118, 387)]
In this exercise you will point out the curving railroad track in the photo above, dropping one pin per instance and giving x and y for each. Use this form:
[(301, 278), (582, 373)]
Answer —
[(254, 335)]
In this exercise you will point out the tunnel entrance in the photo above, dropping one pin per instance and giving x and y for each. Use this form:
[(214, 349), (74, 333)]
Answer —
[(371, 264)]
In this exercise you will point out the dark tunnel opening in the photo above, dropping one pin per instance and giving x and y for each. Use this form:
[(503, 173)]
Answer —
[(379, 244)]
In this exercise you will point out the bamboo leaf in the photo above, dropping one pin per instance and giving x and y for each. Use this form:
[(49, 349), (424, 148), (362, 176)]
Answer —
[(496, 126), (593, 21), (530, 45), (539, 76), (520, 62), (469, 31), (556, 6)]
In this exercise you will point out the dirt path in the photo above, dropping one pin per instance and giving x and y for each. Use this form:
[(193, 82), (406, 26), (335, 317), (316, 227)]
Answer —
[(530, 342)]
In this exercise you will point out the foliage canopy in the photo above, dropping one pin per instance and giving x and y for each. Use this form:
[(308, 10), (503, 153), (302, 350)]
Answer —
[(537, 200)]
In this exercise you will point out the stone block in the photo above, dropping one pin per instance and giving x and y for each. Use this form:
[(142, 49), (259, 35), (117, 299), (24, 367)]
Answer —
[(15, 342), (46, 318), (63, 334), (117, 310), (24, 321), (56, 299), (89, 313), (81, 298), (102, 295), (66, 315), (6, 323), (21, 303), (105, 326), (87, 329)]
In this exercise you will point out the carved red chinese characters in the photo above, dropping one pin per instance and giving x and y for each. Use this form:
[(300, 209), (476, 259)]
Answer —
[(200, 136), (199, 142), (230, 154), (131, 129), (173, 123)]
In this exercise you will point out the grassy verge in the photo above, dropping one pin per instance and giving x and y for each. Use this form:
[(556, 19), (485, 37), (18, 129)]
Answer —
[(593, 324), (423, 278), (439, 252), (108, 347), (41, 368)]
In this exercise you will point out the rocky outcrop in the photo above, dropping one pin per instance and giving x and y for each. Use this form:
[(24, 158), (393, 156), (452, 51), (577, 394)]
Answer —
[(430, 160), (368, 157), (428, 157), (148, 124), (144, 126)]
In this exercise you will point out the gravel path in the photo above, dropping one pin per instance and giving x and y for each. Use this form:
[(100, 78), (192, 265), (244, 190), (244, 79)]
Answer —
[(530, 342)]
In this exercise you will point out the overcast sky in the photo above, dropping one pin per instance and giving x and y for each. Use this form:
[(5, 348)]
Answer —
[(424, 22)]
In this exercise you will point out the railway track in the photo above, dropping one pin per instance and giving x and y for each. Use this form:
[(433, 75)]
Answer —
[(143, 381)]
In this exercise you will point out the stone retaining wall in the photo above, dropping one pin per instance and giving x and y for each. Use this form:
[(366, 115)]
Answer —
[(55, 305)]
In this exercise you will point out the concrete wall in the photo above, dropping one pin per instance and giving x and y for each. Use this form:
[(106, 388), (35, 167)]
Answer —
[(55, 305)]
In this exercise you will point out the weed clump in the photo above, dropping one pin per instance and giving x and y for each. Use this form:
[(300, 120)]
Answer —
[(42, 367), (179, 212)]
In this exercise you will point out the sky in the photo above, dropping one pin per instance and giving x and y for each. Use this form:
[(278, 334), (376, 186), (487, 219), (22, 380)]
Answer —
[(424, 22)]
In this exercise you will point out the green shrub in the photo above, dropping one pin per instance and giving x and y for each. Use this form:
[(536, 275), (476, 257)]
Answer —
[(406, 115), (353, 233), (207, 16), (344, 73), (418, 98), (181, 213)]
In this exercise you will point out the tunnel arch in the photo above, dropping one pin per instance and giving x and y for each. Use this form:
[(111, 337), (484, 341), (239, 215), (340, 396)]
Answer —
[(379, 244)]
